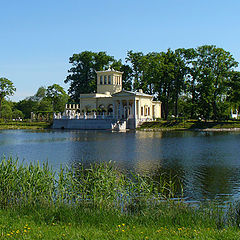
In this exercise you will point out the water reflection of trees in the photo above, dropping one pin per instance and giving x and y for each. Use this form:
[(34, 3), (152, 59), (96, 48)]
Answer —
[(213, 181), (202, 164), (203, 182)]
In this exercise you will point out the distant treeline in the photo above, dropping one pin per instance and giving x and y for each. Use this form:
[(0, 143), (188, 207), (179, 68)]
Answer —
[(194, 83), (46, 100)]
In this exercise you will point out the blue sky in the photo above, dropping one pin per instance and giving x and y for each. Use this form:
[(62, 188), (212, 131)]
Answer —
[(38, 37)]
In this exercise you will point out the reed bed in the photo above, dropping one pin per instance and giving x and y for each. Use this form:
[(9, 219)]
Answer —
[(102, 202), (100, 185)]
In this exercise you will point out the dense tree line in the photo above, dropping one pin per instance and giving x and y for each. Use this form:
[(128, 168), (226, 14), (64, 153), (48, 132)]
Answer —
[(195, 83), (46, 100)]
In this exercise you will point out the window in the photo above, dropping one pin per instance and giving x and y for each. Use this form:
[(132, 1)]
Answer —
[(109, 79), (142, 111), (101, 79), (148, 111), (105, 79)]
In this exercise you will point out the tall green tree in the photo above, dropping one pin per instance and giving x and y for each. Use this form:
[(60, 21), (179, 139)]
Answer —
[(127, 79), (168, 74), (161, 74), (136, 61), (26, 106), (233, 95), (58, 97), (189, 56), (6, 111), (215, 65), (6, 89), (82, 77)]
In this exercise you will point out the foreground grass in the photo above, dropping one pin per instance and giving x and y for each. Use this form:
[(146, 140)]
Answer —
[(24, 125), (84, 223), (188, 125), (101, 202)]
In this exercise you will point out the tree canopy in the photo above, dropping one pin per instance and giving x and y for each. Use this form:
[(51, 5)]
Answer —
[(82, 77), (6, 89), (195, 83)]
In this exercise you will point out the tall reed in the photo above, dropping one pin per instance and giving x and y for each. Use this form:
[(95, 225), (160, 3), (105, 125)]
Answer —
[(100, 185)]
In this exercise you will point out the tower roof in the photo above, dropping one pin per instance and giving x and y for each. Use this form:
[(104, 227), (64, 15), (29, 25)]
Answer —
[(110, 70)]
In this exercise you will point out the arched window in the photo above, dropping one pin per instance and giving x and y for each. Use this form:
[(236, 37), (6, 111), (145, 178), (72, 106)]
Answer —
[(105, 79), (101, 79), (109, 79)]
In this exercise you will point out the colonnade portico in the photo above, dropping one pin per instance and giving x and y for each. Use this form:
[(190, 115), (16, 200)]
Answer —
[(124, 109)]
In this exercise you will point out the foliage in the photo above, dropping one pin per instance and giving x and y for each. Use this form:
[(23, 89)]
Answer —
[(6, 111), (26, 106), (196, 83), (82, 76), (202, 79), (43, 101), (58, 97), (6, 89), (16, 114)]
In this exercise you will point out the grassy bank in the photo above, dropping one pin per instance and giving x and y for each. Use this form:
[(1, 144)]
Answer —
[(188, 125), (165, 222), (101, 202), (23, 125)]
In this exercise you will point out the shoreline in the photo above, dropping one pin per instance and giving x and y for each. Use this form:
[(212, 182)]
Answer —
[(25, 125), (187, 129)]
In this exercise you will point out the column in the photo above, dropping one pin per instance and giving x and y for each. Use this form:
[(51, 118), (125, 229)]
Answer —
[(114, 109), (139, 110), (121, 109), (134, 108)]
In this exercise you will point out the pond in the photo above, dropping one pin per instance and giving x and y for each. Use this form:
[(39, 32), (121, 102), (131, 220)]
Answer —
[(207, 163)]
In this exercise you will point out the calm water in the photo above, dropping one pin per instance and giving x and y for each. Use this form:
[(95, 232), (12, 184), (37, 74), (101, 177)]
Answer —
[(207, 163)]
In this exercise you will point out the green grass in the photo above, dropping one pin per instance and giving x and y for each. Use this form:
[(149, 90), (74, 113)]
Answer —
[(188, 125), (165, 222), (101, 202), (23, 125)]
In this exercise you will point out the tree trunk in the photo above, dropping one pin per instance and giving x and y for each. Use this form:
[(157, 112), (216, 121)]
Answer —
[(176, 106)]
